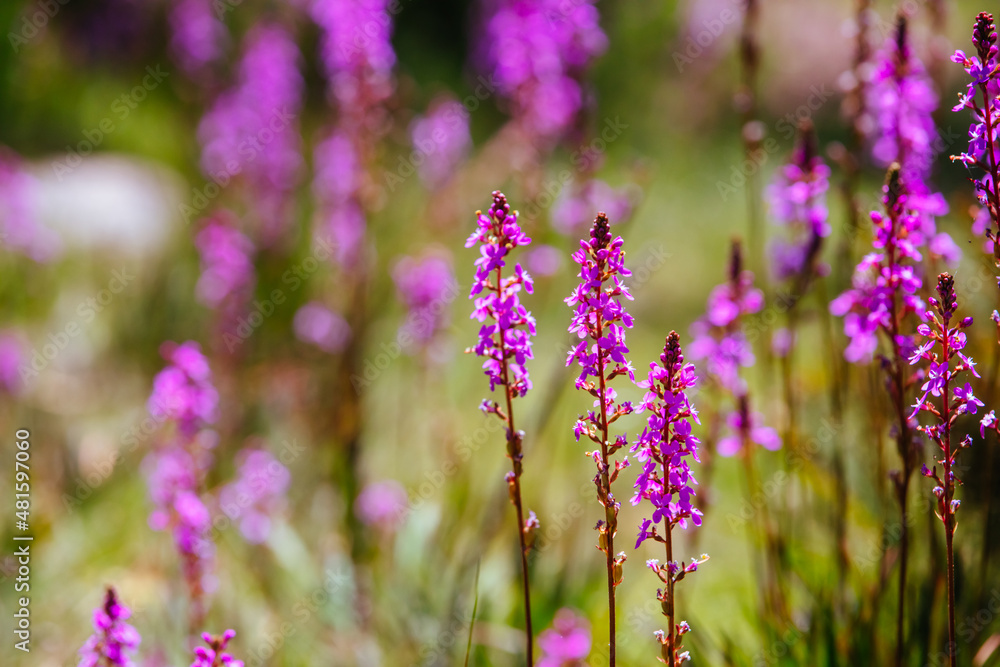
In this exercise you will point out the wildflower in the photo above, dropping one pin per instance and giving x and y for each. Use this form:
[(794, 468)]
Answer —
[(381, 503), (566, 643), (215, 655), (317, 325), (197, 37), (113, 640), (442, 140), (257, 494), (227, 271), (426, 286)]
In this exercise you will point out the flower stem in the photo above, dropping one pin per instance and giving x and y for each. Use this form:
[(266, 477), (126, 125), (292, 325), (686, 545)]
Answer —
[(609, 513)]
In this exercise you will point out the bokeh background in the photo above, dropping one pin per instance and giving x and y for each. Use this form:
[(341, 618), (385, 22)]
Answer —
[(330, 585)]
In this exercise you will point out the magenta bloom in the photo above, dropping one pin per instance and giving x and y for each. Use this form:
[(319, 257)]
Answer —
[(337, 184), (441, 140), (317, 325), (198, 37), (215, 655), (426, 287), (576, 203), (537, 51), (21, 229), (666, 445), (382, 503), (227, 269), (718, 338), (251, 130), (566, 643), (798, 202), (747, 427), (114, 641), (257, 494), (183, 391), (507, 325), (356, 49)]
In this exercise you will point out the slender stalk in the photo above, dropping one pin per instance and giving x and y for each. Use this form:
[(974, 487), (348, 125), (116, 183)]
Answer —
[(949, 494), (514, 452), (609, 513), (670, 584)]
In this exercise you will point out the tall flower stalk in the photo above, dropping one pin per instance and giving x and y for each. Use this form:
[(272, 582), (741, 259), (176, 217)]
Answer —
[(666, 480), (954, 402), (600, 321), (114, 641), (215, 654), (884, 295), (505, 342)]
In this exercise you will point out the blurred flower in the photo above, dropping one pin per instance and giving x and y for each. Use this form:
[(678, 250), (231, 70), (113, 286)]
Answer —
[(113, 640), (13, 353), (442, 141), (257, 494), (798, 202), (381, 503), (251, 130), (21, 229), (356, 49), (198, 36), (505, 340), (183, 391), (746, 428), (537, 51), (318, 325), (215, 655), (577, 202), (337, 184), (544, 260), (426, 287), (226, 263), (566, 643)]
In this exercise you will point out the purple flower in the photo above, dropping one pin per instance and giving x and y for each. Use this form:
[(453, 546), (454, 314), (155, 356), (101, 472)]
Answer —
[(383, 503), (507, 326), (576, 202), (441, 140), (798, 202), (21, 229), (666, 444), (426, 286), (987, 422), (317, 325), (257, 494), (566, 643), (215, 655), (13, 353), (966, 401), (198, 37), (746, 427), (183, 391), (356, 50), (113, 640), (537, 51), (227, 270), (251, 130), (338, 183)]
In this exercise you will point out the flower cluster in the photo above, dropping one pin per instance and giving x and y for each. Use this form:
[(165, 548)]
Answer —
[(257, 494), (197, 37), (441, 140), (798, 202), (338, 184), (983, 153), (251, 130), (383, 504), (718, 336), (566, 643), (666, 444), (227, 271), (215, 655), (575, 202), (886, 284), (940, 379), (537, 51), (184, 395), (356, 50), (505, 337), (426, 286), (21, 229), (113, 640)]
